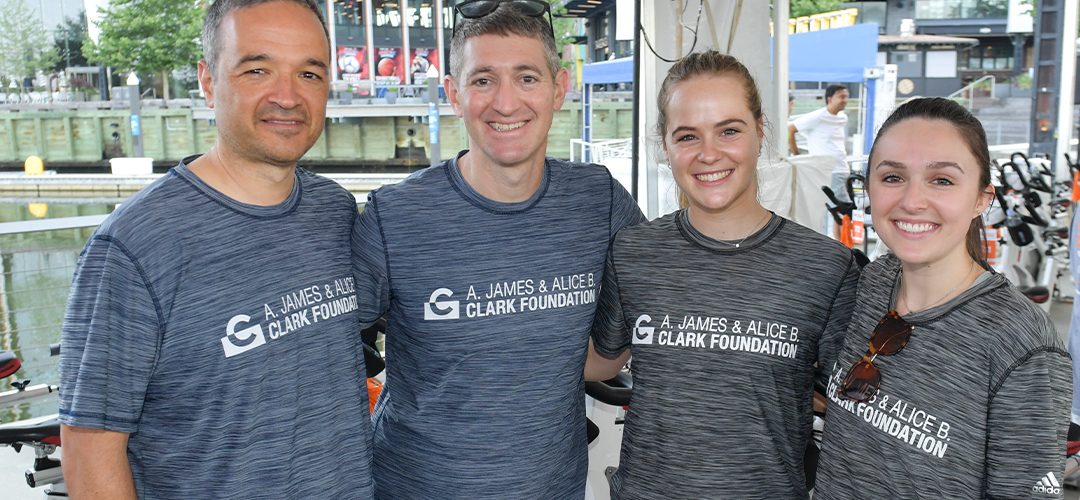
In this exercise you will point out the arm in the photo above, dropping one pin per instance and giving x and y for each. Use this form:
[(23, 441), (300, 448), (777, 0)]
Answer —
[(370, 265), (110, 341), (96, 464), (791, 139), (832, 337), (1026, 426), (601, 367)]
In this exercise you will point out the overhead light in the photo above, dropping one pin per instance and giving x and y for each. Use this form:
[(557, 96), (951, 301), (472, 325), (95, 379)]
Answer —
[(587, 6), (575, 11), (598, 2)]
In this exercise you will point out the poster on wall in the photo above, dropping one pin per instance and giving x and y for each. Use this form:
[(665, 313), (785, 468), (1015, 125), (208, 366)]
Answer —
[(389, 66), (421, 60), (352, 64)]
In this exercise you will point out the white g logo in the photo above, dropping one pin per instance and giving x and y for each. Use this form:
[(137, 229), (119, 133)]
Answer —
[(231, 349), (446, 309), (642, 334)]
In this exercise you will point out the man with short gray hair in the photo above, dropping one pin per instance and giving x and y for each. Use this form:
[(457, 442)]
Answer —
[(488, 265), (211, 345)]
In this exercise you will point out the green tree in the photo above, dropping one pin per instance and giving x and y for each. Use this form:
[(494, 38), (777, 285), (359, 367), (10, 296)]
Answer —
[(24, 43), (70, 36), (149, 36), (801, 8)]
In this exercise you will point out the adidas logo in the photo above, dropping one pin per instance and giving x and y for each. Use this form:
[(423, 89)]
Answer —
[(1048, 484)]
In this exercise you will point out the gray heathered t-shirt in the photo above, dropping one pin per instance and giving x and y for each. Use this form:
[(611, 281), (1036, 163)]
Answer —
[(724, 341), (490, 307), (224, 338), (975, 406)]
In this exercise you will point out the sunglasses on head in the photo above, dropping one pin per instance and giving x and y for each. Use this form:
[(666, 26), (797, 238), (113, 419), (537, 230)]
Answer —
[(473, 9), (864, 378)]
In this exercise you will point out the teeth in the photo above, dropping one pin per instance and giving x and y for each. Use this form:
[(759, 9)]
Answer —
[(283, 122), (915, 228), (504, 127), (713, 177)]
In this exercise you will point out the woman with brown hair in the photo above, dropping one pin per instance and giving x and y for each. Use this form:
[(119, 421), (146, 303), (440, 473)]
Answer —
[(976, 405), (726, 307)]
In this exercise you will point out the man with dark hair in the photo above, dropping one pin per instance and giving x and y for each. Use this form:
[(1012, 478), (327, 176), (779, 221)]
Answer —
[(489, 265), (826, 132), (204, 310)]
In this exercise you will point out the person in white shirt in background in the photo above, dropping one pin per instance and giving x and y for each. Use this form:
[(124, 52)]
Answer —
[(825, 130)]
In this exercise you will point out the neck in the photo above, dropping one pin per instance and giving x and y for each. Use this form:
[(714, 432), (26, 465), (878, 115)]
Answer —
[(834, 109), (929, 285), (502, 184), (243, 180), (733, 223)]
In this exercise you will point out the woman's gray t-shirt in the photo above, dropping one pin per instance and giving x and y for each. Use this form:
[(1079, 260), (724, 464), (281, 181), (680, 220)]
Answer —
[(975, 406), (724, 345)]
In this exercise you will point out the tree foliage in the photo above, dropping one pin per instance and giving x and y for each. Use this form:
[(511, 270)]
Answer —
[(24, 43), (801, 8), (148, 35)]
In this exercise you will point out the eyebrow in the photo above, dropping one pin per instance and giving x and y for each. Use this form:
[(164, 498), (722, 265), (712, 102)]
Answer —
[(724, 123), (266, 57), (517, 68), (934, 165)]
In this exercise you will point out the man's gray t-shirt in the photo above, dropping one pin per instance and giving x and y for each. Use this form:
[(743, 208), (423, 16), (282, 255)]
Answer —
[(975, 406), (490, 306), (724, 343), (224, 338)]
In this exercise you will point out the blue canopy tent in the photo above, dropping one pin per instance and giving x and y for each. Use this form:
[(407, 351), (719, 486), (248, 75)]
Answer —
[(836, 55)]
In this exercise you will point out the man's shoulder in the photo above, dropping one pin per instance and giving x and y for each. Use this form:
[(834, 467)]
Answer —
[(156, 207), (420, 184), (321, 186)]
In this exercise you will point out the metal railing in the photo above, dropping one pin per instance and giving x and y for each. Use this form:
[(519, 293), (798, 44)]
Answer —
[(37, 262), (597, 152)]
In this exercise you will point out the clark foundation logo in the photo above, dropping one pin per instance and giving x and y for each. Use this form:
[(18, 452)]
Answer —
[(249, 338), (642, 334), (436, 309), (1048, 485)]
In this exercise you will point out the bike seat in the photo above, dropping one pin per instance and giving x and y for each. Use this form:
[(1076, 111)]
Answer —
[(1060, 232), (47, 432), (9, 363), (1037, 294), (615, 392)]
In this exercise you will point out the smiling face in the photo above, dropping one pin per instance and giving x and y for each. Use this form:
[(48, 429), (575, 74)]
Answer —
[(924, 191), (271, 83), (506, 96), (712, 142)]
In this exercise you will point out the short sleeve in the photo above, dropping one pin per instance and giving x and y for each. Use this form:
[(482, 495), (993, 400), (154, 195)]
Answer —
[(1027, 427), (369, 263), (806, 122), (624, 210), (832, 337), (609, 333), (109, 341)]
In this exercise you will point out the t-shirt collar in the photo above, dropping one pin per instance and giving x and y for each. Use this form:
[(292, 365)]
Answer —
[(474, 197), (283, 208), (682, 220)]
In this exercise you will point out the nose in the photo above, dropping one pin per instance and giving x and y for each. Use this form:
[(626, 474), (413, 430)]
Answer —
[(506, 100), (710, 150), (914, 198), (285, 92)]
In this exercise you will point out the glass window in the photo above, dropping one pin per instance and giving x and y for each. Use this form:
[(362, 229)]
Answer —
[(421, 13), (960, 9), (349, 12), (386, 13)]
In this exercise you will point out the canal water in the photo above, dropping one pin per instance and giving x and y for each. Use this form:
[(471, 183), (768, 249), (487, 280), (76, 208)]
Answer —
[(37, 269)]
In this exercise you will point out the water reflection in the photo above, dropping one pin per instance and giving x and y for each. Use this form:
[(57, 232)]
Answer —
[(37, 270)]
